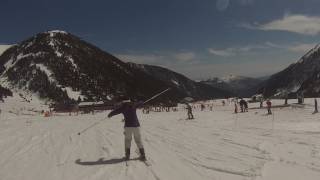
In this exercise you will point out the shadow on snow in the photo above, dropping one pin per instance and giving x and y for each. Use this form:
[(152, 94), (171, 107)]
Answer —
[(101, 161)]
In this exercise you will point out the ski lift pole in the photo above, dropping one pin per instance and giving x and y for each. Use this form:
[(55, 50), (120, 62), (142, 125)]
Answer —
[(153, 97)]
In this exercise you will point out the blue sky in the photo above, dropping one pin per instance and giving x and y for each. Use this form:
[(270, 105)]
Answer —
[(199, 38)]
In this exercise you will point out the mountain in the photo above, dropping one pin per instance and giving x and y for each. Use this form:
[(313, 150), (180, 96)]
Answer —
[(238, 85), (300, 76), (60, 67), (197, 90)]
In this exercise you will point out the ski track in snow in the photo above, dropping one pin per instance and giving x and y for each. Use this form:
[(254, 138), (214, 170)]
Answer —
[(216, 145)]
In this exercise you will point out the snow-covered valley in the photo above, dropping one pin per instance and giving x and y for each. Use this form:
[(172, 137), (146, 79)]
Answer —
[(217, 145)]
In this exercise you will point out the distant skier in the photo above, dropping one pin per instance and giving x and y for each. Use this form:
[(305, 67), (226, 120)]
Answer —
[(189, 111), (202, 107), (269, 106), (131, 126), (315, 106), (242, 104), (235, 107), (245, 105), (261, 102)]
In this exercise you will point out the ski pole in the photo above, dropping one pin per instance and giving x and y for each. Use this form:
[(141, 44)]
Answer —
[(153, 97), (94, 124)]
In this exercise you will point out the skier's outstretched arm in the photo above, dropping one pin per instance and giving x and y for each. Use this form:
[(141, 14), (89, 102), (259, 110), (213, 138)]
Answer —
[(115, 112)]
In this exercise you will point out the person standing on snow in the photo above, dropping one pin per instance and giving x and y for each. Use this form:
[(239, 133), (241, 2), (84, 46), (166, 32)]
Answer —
[(242, 105), (235, 107), (131, 126), (189, 110), (269, 106), (245, 106)]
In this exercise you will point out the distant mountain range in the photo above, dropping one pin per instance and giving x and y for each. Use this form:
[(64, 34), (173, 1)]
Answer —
[(301, 76), (60, 67), (238, 85)]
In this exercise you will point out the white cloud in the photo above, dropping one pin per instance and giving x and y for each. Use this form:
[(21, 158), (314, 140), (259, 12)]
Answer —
[(185, 56), (141, 58), (295, 47), (236, 51), (222, 52), (302, 48), (233, 51), (302, 24), (163, 59), (3, 48)]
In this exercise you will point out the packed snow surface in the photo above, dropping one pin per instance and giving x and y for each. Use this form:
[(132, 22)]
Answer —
[(217, 145)]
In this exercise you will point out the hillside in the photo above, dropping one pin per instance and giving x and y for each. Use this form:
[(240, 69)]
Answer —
[(300, 76), (61, 67)]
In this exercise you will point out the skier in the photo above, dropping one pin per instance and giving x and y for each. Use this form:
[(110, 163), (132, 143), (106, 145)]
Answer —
[(269, 106), (242, 105), (261, 103), (131, 126), (315, 106), (211, 107), (245, 106), (235, 107), (189, 110), (202, 107)]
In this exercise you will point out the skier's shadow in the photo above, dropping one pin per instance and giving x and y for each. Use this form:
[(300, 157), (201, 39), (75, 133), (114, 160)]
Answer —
[(101, 161)]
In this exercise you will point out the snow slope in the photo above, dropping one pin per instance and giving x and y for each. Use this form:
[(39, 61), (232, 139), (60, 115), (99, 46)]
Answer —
[(216, 145)]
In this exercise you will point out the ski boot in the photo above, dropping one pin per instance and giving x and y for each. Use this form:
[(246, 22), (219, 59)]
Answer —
[(142, 154), (127, 157)]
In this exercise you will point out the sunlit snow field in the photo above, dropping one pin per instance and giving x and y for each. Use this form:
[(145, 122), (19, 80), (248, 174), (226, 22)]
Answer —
[(217, 144)]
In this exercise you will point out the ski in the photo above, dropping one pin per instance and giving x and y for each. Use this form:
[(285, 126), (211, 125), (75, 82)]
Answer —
[(146, 162)]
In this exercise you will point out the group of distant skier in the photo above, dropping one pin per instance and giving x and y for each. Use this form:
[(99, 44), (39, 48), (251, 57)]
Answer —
[(243, 105)]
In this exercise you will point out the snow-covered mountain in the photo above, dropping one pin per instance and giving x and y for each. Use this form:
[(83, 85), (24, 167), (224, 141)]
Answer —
[(239, 85), (300, 76), (61, 67)]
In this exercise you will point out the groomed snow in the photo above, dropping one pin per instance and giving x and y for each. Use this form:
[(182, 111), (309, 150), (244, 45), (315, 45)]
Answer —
[(216, 145)]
